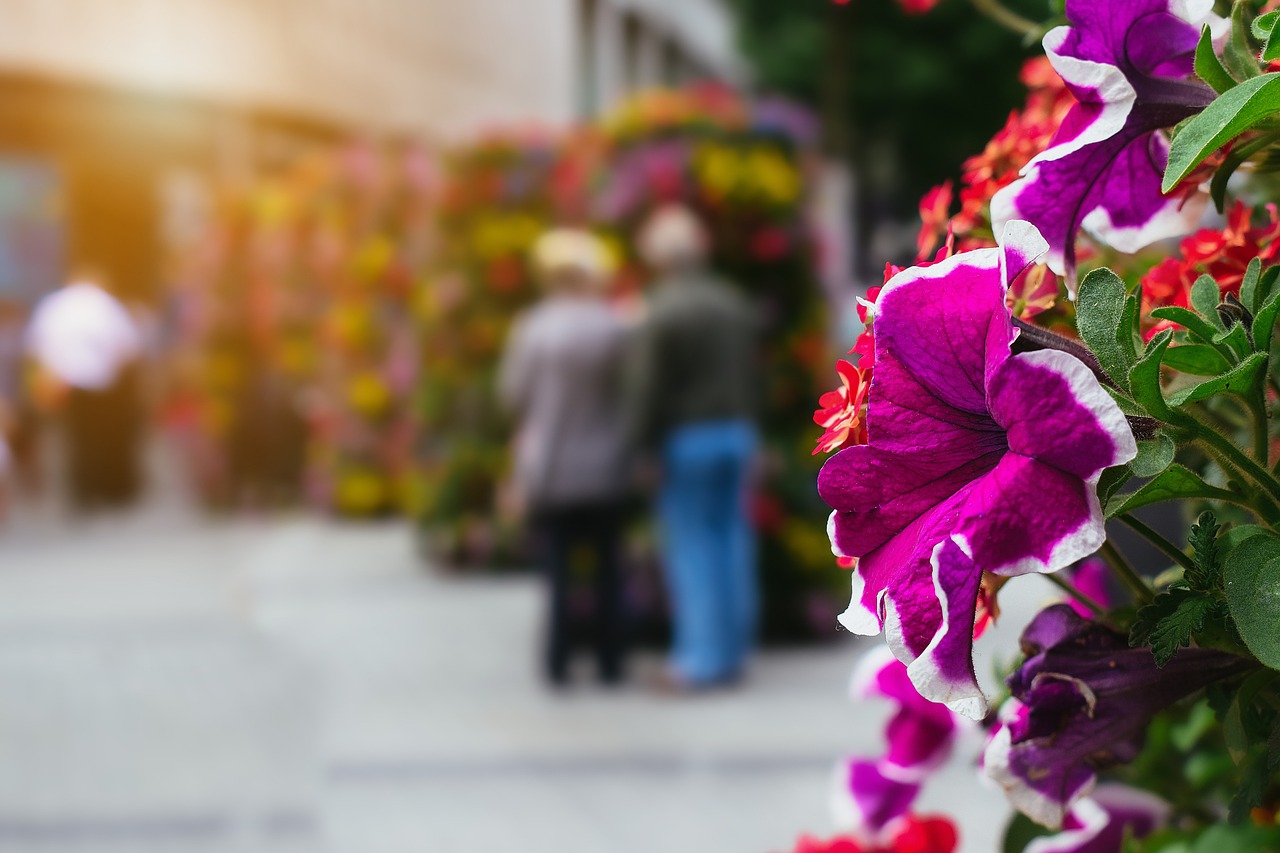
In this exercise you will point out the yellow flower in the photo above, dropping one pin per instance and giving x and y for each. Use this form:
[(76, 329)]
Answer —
[(368, 394)]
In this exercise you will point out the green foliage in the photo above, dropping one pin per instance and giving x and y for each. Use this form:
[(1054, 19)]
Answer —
[(1170, 622), (1208, 67), (1101, 320), (1176, 482), (1153, 456), (1241, 380), (1252, 575), (1238, 54), (1230, 115), (1203, 539), (1196, 359), (1144, 379)]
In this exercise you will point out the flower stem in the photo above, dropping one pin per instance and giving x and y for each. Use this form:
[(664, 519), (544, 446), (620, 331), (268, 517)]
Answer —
[(1070, 589), (1125, 572), (1261, 431), (1163, 545), (1006, 18), (1240, 460)]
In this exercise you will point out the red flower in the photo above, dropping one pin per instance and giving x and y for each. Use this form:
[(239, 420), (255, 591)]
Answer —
[(1222, 254), (935, 210), (931, 834), (842, 412)]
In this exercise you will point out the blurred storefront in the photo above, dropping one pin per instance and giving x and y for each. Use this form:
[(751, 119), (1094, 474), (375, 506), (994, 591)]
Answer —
[(117, 112)]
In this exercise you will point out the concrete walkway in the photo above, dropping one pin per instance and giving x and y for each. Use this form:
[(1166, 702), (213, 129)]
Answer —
[(170, 683)]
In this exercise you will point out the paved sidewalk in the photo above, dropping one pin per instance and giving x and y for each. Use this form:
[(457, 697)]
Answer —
[(169, 683)]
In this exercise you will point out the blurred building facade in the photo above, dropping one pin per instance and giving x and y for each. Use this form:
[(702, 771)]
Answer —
[(114, 98)]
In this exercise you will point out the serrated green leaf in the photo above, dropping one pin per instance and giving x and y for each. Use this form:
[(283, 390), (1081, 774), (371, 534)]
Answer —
[(1144, 379), (1189, 320), (1169, 623), (1208, 67), (1203, 539), (1196, 359), (1241, 380), (1205, 296), (1100, 314), (1173, 483), (1231, 114), (1153, 456), (1251, 574)]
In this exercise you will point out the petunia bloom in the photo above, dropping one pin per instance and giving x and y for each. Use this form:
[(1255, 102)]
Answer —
[(1127, 62), (1081, 702), (842, 412), (977, 460), (1102, 822)]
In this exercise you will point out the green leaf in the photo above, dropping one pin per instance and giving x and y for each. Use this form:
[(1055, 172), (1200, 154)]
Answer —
[(1188, 319), (1173, 483), (1264, 321), (1168, 623), (1144, 379), (1153, 456), (1268, 280), (1203, 539), (1100, 315), (1111, 481), (1261, 26), (1196, 359), (1252, 574), (1238, 55), (1235, 838), (1233, 161), (1209, 67), (1127, 336), (1249, 284), (1205, 296), (1236, 340), (1231, 114), (1239, 533), (1241, 380), (1253, 782)]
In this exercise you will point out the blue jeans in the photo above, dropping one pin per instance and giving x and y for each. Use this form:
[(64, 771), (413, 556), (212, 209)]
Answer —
[(710, 549)]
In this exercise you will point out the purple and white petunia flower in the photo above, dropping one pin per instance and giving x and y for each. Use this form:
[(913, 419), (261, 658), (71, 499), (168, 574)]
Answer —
[(868, 796), (1102, 822), (1081, 702), (920, 734), (1128, 63), (977, 460)]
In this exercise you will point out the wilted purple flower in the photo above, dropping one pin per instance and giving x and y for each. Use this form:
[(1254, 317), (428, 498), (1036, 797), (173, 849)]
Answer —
[(977, 461), (1127, 63), (1081, 702), (1100, 823)]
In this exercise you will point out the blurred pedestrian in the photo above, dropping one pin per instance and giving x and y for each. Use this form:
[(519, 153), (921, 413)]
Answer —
[(86, 348), (692, 382), (561, 374)]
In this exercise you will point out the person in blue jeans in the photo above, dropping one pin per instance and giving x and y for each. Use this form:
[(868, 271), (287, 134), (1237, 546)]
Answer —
[(693, 389)]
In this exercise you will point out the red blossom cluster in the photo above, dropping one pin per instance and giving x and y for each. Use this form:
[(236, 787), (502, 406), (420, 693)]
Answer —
[(1025, 134), (931, 834), (1223, 254)]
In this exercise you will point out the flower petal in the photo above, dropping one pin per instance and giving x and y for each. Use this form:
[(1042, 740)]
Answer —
[(1054, 410), (944, 670), (1029, 516), (945, 323), (865, 799)]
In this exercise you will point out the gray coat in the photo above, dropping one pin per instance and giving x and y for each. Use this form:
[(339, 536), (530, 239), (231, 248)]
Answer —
[(561, 375)]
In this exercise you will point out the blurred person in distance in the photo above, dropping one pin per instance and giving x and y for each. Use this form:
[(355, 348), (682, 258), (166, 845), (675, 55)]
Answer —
[(86, 348), (561, 375), (15, 422), (691, 412)]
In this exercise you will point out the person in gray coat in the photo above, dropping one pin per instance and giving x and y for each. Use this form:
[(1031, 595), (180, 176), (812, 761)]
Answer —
[(561, 377)]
